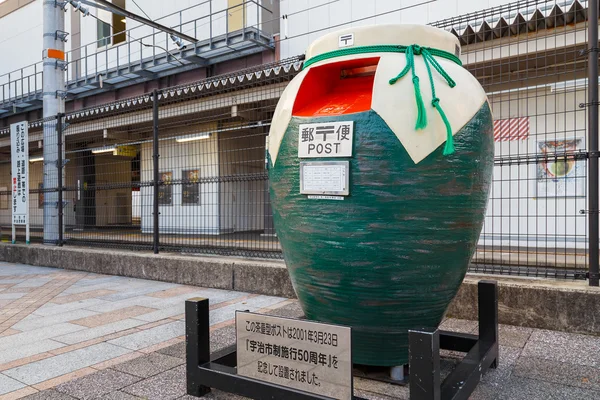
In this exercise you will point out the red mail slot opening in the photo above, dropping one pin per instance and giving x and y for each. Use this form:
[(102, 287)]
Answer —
[(344, 87)]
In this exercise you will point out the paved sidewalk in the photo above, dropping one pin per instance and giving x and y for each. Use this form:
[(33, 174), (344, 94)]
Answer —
[(58, 325), (68, 335)]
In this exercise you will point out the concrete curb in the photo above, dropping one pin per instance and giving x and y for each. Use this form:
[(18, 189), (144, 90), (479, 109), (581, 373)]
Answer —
[(254, 276), (569, 306)]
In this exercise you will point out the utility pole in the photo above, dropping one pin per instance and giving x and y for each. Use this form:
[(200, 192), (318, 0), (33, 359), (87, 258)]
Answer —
[(54, 103), (594, 277)]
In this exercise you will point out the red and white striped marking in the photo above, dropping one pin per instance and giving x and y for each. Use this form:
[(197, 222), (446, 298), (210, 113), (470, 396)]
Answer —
[(511, 129)]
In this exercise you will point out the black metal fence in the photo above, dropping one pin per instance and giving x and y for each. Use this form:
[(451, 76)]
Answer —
[(531, 58), (209, 192)]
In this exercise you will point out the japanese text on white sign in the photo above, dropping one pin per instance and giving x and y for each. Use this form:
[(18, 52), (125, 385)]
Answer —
[(19, 139), (328, 139), (304, 355), (324, 177)]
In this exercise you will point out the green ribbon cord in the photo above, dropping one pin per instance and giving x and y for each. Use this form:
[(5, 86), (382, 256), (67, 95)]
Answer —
[(411, 51)]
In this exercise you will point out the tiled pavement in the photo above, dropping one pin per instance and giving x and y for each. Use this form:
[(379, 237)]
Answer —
[(86, 336), (58, 325)]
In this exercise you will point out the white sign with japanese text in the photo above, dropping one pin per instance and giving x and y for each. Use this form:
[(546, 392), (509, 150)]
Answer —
[(325, 177), (327, 139), (19, 139), (303, 355)]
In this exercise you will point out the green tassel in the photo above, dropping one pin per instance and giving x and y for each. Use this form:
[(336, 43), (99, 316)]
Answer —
[(430, 61), (421, 112), (449, 148), (401, 74)]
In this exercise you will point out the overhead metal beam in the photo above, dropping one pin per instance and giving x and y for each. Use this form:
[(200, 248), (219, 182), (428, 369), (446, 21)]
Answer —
[(123, 12)]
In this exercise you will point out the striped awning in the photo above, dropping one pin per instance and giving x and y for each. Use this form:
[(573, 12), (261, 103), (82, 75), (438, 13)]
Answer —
[(511, 129)]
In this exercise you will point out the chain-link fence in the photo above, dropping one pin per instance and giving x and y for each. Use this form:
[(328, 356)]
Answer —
[(531, 59), (183, 169)]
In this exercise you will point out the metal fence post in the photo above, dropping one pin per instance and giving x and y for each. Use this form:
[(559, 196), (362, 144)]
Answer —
[(59, 166), (155, 156), (594, 276)]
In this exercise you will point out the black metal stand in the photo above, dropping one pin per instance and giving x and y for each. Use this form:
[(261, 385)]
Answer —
[(482, 353), (219, 370)]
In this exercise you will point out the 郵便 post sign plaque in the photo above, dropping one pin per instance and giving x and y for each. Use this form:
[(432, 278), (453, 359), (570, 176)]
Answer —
[(330, 139), (303, 355)]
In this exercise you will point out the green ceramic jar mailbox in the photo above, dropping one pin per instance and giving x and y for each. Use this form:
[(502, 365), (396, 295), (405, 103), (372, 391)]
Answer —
[(380, 163)]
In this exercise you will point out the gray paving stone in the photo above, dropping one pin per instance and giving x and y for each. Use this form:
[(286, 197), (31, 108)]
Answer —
[(162, 314), (62, 364), (8, 384), (486, 391), (53, 309), (11, 296), (152, 336), (91, 280), (500, 376), (144, 301), (179, 308), (222, 338), (214, 295), (226, 313), (40, 322), (28, 350), (11, 281), (166, 386), (513, 336), (97, 384), (119, 284), (99, 331), (219, 339), (459, 325), (177, 350), (120, 396), (25, 338), (292, 310), (557, 372), (150, 365), (215, 395), (49, 395), (371, 387), (148, 287), (33, 283), (530, 389), (563, 347)]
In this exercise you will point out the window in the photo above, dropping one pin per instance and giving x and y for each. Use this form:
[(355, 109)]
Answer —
[(4, 198), (165, 190), (190, 188), (104, 38), (111, 27)]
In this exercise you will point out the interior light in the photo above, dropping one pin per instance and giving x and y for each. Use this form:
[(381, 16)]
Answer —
[(190, 138), (36, 159), (107, 149)]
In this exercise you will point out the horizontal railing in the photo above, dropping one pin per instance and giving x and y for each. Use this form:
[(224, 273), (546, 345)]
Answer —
[(89, 61)]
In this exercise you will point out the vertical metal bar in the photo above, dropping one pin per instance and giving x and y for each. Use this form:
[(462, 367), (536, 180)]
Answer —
[(593, 177), (59, 161), (197, 343), (488, 313), (155, 156), (424, 364)]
